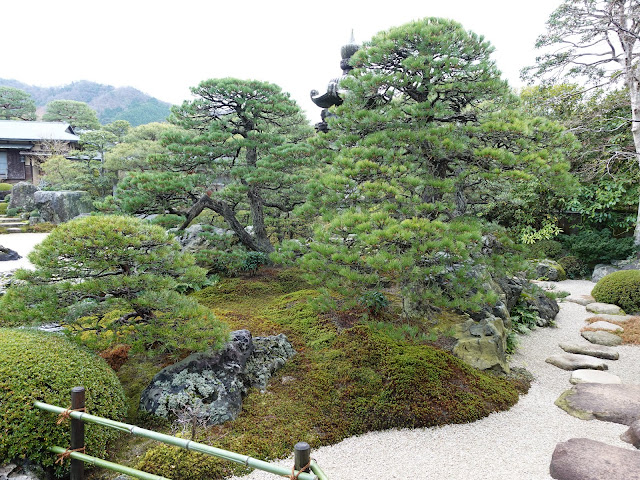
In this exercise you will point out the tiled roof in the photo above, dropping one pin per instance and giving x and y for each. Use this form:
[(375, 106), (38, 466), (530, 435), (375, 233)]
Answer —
[(22, 130)]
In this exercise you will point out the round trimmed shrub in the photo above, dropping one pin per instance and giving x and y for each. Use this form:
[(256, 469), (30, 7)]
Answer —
[(40, 366), (620, 288), (5, 187)]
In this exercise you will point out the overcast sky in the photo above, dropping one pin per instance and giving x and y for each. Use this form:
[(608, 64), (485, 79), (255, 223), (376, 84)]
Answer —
[(164, 47)]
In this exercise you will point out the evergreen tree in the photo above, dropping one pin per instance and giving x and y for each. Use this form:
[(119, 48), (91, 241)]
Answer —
[(78, 114), (426, 136), (16, 105)]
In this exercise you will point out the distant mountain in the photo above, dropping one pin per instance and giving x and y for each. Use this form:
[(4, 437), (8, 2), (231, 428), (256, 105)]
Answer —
[(111, 103)]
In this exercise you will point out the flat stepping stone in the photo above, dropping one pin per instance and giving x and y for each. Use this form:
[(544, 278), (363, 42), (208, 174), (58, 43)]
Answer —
[(610, 327), (583, 300), (602, 338), (593, 376), (590, 349), (607, 402), (632, 435), (572, 361), (611, 318), (585, 459), (604, 308)]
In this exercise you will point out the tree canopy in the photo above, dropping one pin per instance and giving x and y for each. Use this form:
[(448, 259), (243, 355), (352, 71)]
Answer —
[(16, 104), (78, 114)]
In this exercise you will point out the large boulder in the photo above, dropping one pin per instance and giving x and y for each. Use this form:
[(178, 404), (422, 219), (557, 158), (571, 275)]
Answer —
[(211, 386), (198, 236), (550, 270), (61, 206), (482, 344), (602, 269), (585, 459), (22, 196), (7, 254), (547, 308)]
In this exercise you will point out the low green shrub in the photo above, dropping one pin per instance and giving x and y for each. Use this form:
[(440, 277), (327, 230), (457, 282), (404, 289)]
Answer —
[(45, 367), (593, 246), (3, 208), (620, 288), (544, 249), (12, 212), (167, 221), (574, 267), (5, 187)]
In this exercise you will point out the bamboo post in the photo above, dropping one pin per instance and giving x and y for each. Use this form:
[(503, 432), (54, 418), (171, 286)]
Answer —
[(302, 456), (77, 433)]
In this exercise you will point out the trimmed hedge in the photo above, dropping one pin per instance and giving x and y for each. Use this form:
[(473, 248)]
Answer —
[(5, 187), (620, 288), (45, 367)]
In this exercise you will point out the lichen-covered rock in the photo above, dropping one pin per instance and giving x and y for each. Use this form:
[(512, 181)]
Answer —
[(62, 206), (550, 270), (482, 344), (546, 307), (22, 196), (210, 386), (602, 270), (195, 237)]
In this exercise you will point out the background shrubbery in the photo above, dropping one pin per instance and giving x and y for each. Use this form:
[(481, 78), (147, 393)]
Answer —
[(45, 367)]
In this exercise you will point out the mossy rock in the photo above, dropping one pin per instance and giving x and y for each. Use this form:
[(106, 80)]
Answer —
[(44, 366), (620, 288), (550, 270)]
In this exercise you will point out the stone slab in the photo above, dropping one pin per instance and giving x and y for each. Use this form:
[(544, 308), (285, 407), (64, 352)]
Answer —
[(609, 327), (602, 338), (632, 435), (593, 376), (599, 351), (604, 308), (608, 318), (572, 361), (585, 459), (617, 403), (583, 300)]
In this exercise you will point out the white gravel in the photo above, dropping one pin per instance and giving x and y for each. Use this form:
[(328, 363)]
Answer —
[(22, 243), (516, 444)]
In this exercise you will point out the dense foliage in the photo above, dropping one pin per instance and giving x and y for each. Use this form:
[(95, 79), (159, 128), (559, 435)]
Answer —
[(78, 114), (45, 367), (620, 288), (115, 277), (427, 137), (16, 105)]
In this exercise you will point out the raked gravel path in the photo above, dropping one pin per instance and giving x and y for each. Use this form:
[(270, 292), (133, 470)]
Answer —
[(512, 445)]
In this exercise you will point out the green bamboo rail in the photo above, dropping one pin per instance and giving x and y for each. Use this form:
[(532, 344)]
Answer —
[(187, 444), (98, 462)]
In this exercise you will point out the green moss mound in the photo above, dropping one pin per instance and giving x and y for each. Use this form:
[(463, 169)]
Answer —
[(3, 208), (45, 367), (620, 288), (344, 381), (5, 187)]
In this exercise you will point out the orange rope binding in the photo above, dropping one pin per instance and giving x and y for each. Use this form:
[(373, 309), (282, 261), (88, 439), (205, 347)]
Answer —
[(294, 475), (67, 454), (66, 414)]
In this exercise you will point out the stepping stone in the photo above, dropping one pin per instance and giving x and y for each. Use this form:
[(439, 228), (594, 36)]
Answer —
[(602, 338), (585, 459), (571, 361), (610, 327), (592, 350), (604, 308), (593, 376), (632, 435), (607, 402), (608, 318), (583, 300)]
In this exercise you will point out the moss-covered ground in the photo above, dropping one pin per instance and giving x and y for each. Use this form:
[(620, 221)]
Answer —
[(349, 376)]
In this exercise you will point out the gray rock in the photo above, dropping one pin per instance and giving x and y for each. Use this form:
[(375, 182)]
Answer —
[(592, 350), (602, 338), (211, 386), (602, 270), (550, 270), (632, 435), (195, 237), (572, 361), (22, 196), (607, 308), (26, 471), (584, 459), (546, 307), (593, 376), (583, 300), (6, 254), (617, 403), (609, 327), (512, 288), (608, 318), (62, 206), (482, 344)]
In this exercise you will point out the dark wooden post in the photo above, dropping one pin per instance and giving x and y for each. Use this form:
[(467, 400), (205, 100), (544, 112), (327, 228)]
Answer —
[(77, 433), (302, 455)]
